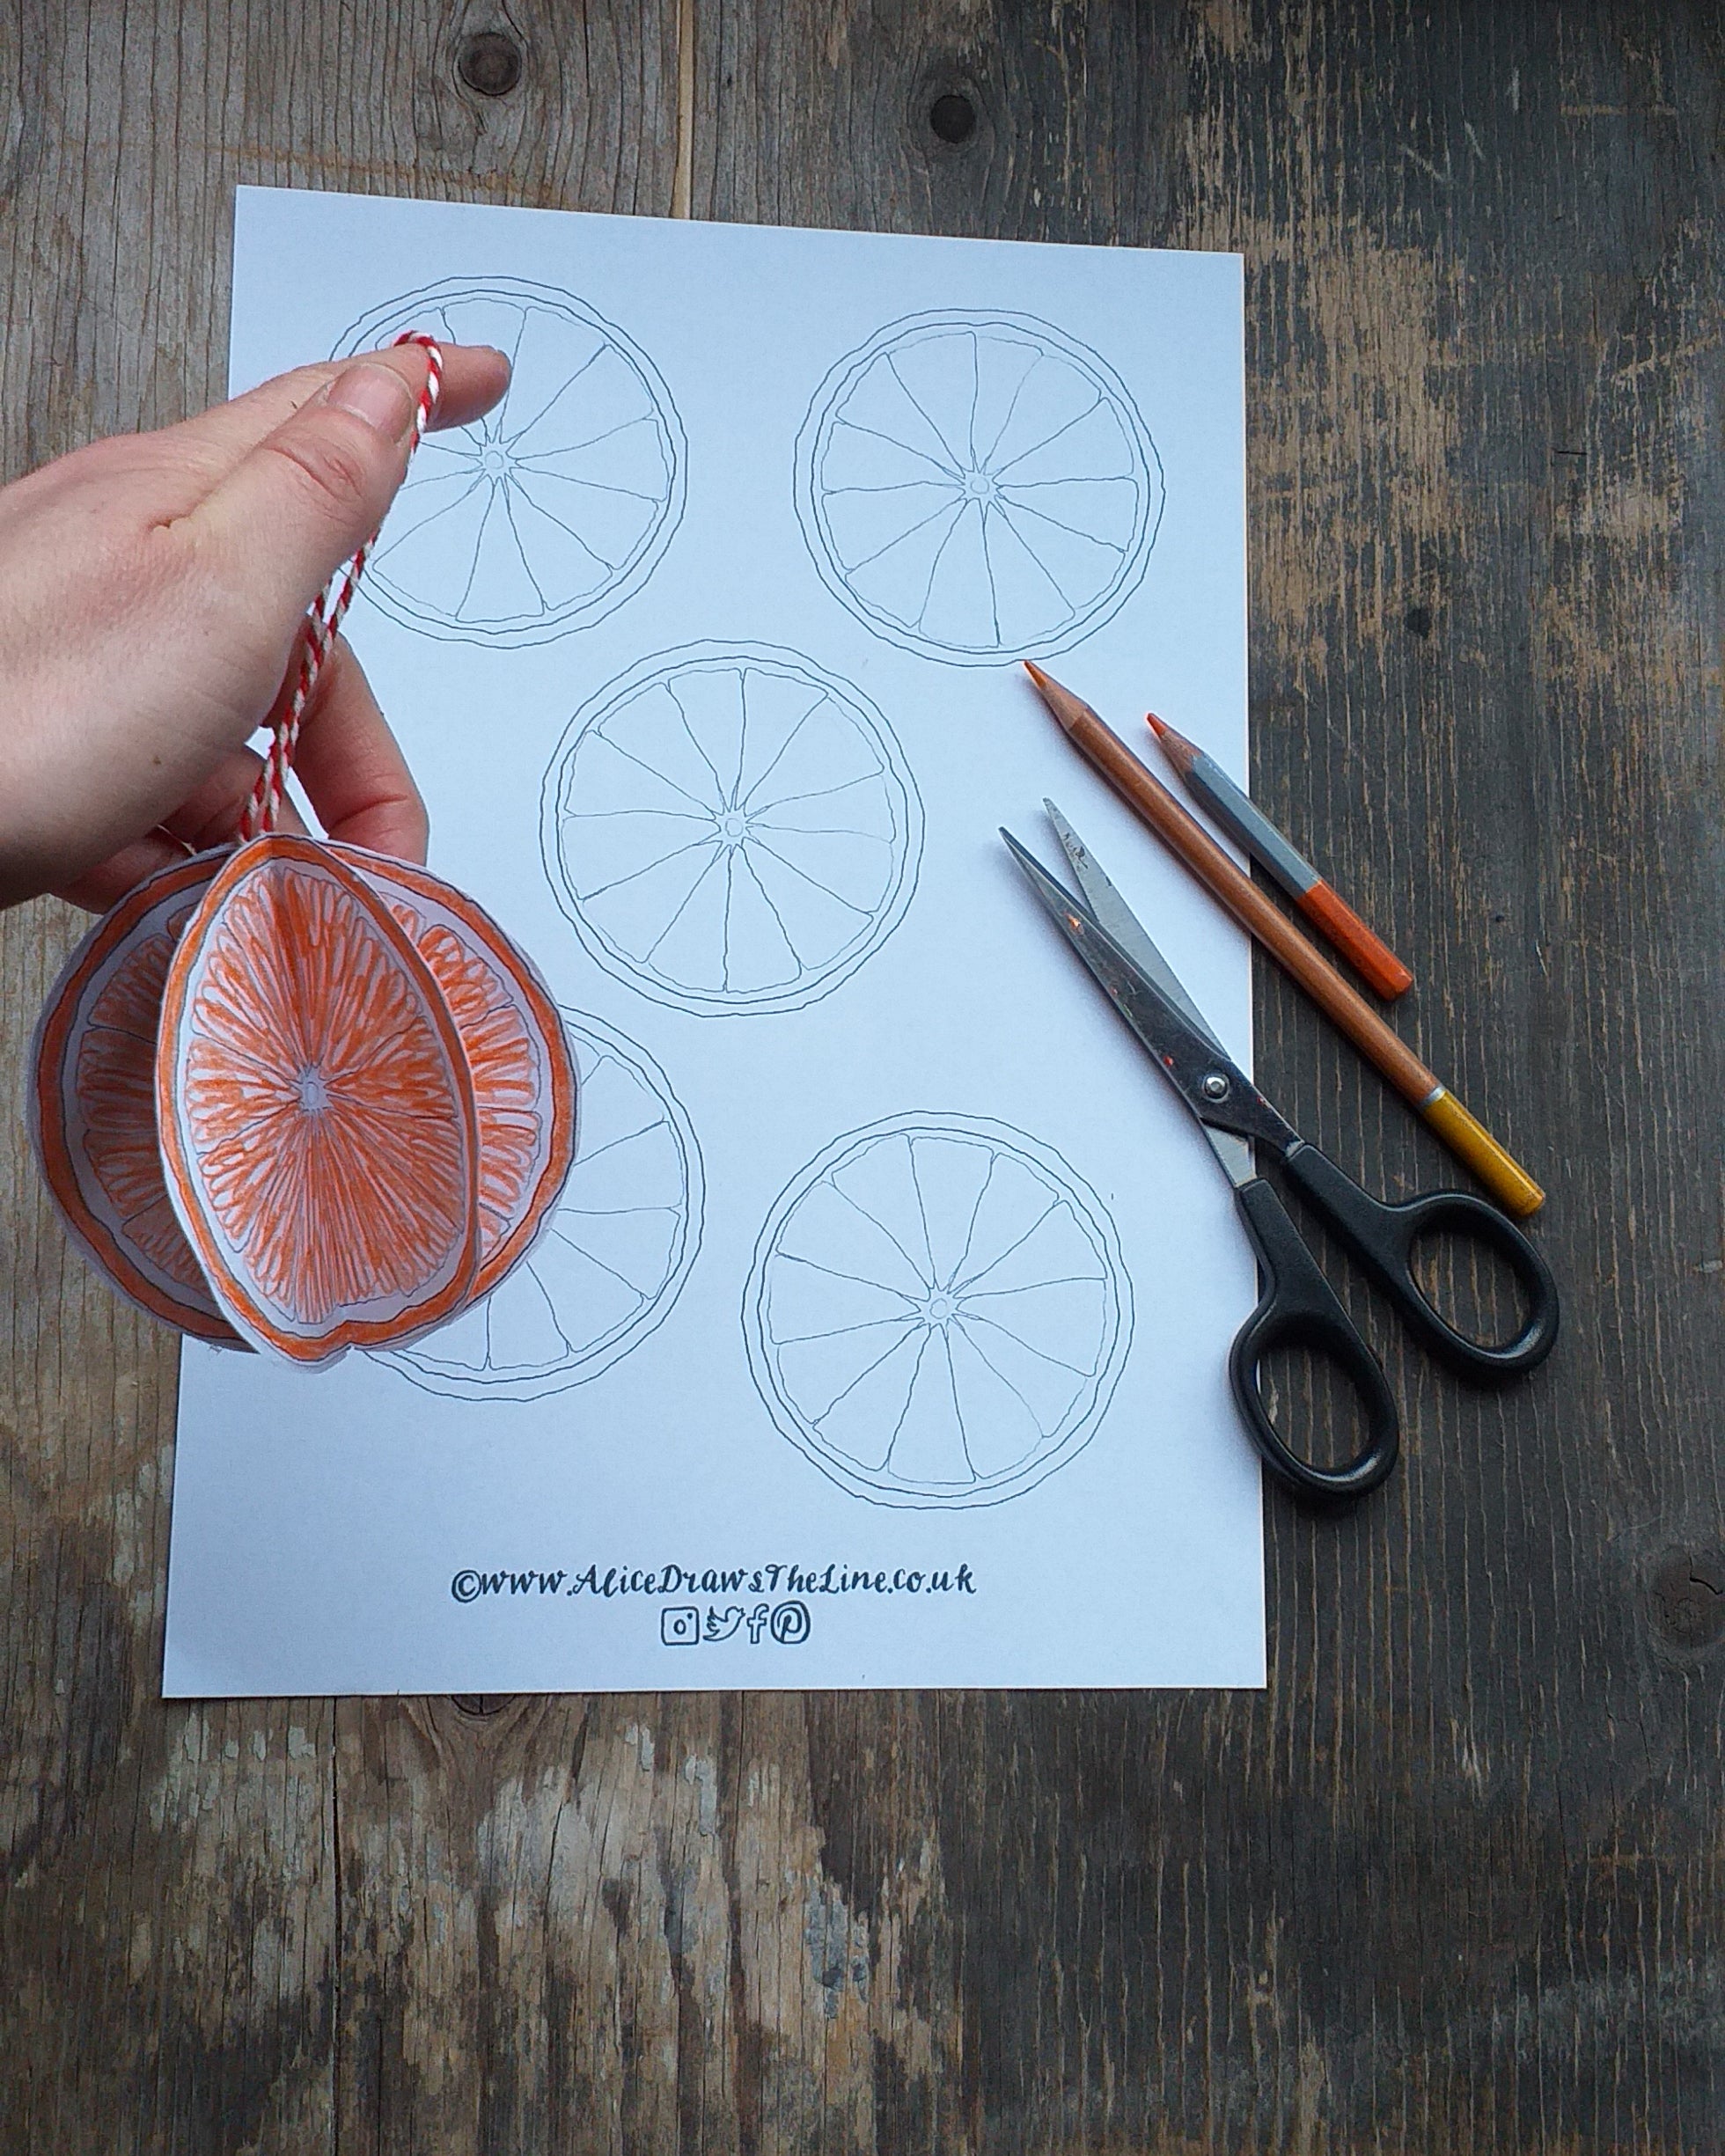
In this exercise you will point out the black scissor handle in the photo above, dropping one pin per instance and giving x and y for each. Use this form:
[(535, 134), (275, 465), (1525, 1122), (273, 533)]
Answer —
[(1298, 1309), (1383, 1236)]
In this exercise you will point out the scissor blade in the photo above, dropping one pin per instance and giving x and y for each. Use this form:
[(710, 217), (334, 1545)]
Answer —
[(1110, 913), (1213, 1087)]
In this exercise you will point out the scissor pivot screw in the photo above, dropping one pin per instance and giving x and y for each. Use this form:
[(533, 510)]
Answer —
[(1215, 1087)]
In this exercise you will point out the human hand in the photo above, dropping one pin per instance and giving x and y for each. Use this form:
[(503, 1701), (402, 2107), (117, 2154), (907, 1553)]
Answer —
[(156, 592)]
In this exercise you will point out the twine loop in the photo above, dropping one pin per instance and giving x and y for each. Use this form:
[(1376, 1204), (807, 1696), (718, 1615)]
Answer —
[(323, 618)]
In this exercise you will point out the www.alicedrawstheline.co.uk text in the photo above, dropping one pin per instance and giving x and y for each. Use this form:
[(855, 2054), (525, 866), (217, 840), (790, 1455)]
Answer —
[(608, 1583)]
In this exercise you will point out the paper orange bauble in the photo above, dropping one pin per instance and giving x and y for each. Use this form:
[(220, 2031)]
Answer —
[(303, 1096)]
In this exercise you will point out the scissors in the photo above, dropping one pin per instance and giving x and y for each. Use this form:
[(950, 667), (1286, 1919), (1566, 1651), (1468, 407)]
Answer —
[(1296, 1306)]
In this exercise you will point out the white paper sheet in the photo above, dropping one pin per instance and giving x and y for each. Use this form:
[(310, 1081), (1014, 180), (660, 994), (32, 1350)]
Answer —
[(880, 1337)]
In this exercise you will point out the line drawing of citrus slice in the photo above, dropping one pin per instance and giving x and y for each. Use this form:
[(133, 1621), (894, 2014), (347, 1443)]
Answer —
[(92, 1102), (542, 516), (517, 1053), (315, 1110), (937, 1312), (731, 829), (614, 1256), (977, 487)]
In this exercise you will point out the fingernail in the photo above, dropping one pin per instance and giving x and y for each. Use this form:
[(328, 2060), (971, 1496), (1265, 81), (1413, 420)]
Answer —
[(378, 396)]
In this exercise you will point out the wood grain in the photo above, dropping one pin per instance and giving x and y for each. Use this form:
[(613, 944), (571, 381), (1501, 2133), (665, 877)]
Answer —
[(1453, 1881)]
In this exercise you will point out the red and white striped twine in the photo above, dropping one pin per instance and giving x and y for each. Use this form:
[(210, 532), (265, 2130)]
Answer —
[(323, 618)]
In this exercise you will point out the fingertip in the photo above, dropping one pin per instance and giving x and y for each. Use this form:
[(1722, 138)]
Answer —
[(476, 377), (399, 828), (394, 828)]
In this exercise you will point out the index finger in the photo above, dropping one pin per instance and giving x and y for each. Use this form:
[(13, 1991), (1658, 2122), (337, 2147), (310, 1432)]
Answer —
[(351, 766)]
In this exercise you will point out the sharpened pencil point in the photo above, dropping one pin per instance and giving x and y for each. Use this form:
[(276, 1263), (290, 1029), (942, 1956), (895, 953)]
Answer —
[(1069, 709), (1182, 754)]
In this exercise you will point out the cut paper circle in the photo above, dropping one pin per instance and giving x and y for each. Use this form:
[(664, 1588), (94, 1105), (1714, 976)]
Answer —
[(523, 1073), (938, 1312), (92, 1102), (314, 1109), (615, 1253)]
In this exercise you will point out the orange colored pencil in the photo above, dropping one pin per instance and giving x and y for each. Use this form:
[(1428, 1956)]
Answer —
[(1184, 835), (1242, 818)]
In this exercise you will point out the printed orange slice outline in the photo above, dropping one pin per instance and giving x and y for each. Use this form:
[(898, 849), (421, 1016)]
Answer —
[(525, 1087), (92, 1103), (316, 1110)]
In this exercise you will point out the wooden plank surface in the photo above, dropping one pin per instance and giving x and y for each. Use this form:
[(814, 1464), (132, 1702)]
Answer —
[(1454, 1882)]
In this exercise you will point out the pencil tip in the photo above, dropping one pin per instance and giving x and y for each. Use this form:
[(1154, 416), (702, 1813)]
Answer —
[(1157, 725), (1067, 709)]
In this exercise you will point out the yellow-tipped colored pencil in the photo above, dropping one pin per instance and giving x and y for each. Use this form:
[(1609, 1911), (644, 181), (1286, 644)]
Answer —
[(1144, 793)]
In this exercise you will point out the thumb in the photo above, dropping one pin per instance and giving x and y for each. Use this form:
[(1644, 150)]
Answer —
[(300, 502)]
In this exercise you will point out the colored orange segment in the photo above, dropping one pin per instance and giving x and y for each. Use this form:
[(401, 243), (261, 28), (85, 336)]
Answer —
[(316, 1110), (92, 1105), (116, 1060), (517, 1051)]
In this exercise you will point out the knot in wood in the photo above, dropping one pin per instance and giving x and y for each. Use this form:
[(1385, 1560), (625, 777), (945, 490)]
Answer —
[(489, 62), (1689, 1598), (953, 117)]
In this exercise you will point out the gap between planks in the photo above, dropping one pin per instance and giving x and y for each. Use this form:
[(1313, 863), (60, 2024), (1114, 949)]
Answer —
[(682, 184)]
